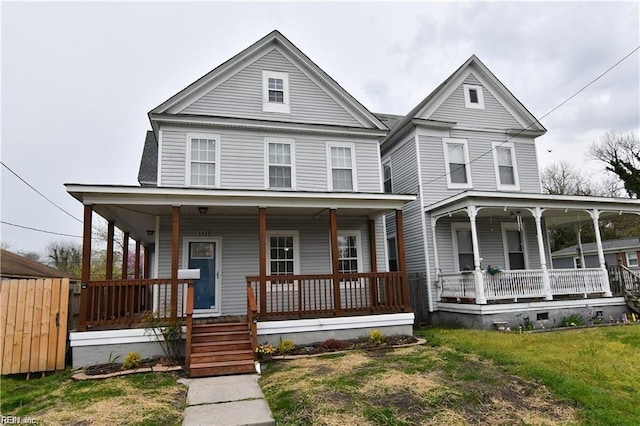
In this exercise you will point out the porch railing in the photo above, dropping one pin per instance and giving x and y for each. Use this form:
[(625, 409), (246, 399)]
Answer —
[(514, 284), (308, 296), (577, 281), (458, 285), (123, 303)]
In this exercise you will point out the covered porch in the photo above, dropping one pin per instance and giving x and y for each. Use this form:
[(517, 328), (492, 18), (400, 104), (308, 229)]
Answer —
[(493, 248)]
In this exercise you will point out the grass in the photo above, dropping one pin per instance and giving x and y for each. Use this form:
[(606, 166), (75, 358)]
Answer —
[(577, 377), (139, 399)]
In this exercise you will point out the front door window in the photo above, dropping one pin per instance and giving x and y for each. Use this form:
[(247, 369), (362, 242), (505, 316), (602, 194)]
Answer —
[(202, 255)]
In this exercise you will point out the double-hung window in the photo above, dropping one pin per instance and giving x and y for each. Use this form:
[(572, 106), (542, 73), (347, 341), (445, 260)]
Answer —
[(341, 170), (282, 256), (349, 258), (387, 183), (275, 92), (203, 164), (506, 168), (392, 251), (463, 246), (514, 243), (456, 157), (632, 258), (280, 162)]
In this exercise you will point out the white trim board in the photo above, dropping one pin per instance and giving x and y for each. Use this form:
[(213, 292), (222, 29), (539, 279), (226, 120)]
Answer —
[(113, 337), (530, 306), (340, 323)]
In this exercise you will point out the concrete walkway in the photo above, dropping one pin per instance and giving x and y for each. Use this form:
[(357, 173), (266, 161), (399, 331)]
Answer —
[(226, 400)]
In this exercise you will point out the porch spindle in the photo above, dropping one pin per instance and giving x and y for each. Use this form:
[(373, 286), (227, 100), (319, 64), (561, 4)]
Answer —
[(481, 299), (335, 267), (546, 282), (595, 215), (86, 267)]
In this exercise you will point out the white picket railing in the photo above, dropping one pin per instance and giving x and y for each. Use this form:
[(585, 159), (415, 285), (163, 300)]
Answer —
[(577, 281), (514, 284), (459, 285)]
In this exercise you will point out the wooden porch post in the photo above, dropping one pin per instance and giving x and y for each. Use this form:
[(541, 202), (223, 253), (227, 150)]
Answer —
[(262, 250), (373, 282), (86, 267), (109, 267), (595, 215), (335, 267), (546, 282), (402, 264), (481, 299), (125, 255), (175, 245), (136, 268)]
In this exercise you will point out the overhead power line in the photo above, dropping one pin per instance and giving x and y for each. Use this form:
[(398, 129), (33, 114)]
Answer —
[(544, 116), (39, 193), (39, 230)]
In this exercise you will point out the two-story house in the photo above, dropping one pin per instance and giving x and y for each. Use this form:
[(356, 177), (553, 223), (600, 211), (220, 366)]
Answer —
[(261, 213), (478, 228)]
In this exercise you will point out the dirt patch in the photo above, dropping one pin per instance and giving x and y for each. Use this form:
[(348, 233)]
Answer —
[(332, 345), (114, 367)]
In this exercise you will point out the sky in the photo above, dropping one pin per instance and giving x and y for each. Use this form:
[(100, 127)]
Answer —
[(78, 78)]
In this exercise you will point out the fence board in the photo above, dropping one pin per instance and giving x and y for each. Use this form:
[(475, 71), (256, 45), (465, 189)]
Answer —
[(33, 325)]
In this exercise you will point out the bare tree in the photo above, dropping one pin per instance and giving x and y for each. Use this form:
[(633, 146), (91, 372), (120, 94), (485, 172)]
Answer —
[(621, 153), (65, 256), (563, 179)]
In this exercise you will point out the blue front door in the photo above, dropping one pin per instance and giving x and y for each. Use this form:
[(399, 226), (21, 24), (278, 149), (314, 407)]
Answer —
[(202, 255)]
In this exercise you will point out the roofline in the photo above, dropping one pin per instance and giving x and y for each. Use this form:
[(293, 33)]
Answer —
[(604, 250)]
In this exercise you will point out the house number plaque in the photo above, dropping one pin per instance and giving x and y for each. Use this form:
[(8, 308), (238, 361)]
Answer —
[(204, 233)]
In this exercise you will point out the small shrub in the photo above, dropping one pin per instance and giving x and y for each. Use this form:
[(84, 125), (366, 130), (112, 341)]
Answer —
[(131, 361), (265, 350), (572, 320), (286, 346), (333, 345), (377, 337)]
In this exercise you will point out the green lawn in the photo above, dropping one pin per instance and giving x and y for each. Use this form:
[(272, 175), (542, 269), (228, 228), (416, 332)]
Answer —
[(584, 377), (139, 399)]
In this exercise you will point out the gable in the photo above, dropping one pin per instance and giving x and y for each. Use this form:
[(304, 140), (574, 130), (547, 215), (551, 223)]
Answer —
[(493, 115), (241, 96)]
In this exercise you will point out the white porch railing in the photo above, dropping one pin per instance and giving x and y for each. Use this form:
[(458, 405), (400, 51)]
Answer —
[(577, 281), (459, 285), (514, 284)]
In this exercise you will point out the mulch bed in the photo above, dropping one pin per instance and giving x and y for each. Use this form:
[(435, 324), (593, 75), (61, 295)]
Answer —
[(333, 345), (114, 367)]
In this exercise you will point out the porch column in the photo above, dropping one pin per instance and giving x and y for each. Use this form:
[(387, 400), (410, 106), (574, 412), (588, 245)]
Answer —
[(402, 264), (125, 256), (335, 266), (480, 297), (595, 215), (109, 266), (136, 268), (175, 245), (86, 267), (373, 283), (436, 260), (546, 282), (262, 249)]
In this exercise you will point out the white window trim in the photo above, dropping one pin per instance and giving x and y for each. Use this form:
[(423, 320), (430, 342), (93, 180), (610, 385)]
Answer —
[(577, 259), (456, 226), (465, 145), (190, 136), (467, 98), (296, 245), (267, 106), (291, 142), (387, 164), (508, 226), (358, 235), (628, 256), (354, 173), (496, 167)]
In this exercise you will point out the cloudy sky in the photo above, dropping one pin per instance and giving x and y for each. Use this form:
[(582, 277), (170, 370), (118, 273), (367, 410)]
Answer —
[(79, 78)]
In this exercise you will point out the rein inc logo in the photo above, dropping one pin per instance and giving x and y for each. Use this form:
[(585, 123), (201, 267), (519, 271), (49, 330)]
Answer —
[(16, 420)]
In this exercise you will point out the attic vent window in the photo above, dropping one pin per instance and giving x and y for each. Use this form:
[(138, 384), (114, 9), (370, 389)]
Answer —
[(473, 96), (275, 92)]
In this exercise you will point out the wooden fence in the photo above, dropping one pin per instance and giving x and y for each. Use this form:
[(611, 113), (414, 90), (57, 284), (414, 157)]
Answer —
[(33, 325)]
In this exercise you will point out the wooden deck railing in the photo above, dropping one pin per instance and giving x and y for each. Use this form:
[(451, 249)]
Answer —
[(309, 296), (123, 303)]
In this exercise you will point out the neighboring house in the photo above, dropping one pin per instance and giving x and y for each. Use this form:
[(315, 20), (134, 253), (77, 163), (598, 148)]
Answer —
[(14, 266), (264, 174), (478, 227), (624, 251)]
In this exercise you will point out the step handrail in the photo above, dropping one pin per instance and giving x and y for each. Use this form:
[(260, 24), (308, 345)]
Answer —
[(252, 317)]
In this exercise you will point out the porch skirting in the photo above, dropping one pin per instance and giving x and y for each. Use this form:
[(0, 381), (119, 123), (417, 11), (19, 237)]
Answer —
[(512, 314), (308, 331)]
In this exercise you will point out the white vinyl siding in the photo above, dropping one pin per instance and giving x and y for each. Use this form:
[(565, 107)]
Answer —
[(456, 155), (506, 166), (203, 167), (341, 167), (280, 163)]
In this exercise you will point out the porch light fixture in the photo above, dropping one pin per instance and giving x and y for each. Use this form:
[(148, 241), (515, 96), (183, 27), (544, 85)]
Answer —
[(203, 210), (150, 232)]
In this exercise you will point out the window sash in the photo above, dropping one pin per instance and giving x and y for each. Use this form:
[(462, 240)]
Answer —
[(341, 167), (281, 255), (276, 90), (388, 186), (632, 258), (466, 261), (392, 254), (279, 162), (203, 162)]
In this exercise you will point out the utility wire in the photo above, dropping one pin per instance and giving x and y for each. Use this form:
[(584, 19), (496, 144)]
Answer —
[(545, 115), (38, 192), (39, 230)]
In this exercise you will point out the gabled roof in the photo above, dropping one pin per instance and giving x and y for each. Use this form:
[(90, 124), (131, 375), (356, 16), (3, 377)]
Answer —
[(148, 172), (15, 266), (439, 95), (622, 244), (247, 56)]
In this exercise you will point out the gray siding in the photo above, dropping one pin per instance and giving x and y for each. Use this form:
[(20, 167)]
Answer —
[(494, 115), (241, 96), (239, 245), (242, 159)]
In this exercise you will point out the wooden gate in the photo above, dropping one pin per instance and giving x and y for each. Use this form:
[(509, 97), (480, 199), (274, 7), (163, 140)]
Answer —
[(33, 325)]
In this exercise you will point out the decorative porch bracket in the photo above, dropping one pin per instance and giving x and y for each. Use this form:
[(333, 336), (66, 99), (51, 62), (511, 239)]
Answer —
[(546, 281), (595, 216), (481, 299)]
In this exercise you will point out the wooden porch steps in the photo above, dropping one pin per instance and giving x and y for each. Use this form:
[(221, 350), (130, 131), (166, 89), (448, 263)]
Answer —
[(221, 349)]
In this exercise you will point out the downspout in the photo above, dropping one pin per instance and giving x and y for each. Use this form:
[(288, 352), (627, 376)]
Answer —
[(423, 221)]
